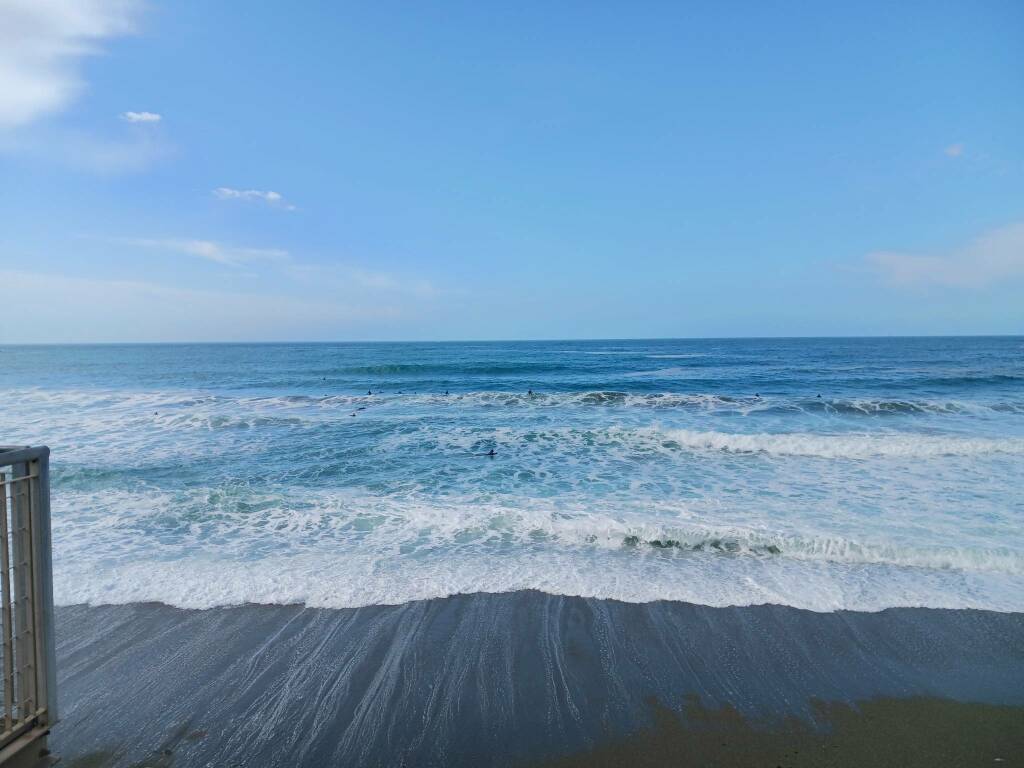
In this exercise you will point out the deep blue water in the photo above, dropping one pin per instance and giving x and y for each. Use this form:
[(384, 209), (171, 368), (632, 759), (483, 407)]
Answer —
[(823, 473)]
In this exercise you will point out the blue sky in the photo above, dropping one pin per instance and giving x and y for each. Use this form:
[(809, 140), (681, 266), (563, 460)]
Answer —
[(256, 171)]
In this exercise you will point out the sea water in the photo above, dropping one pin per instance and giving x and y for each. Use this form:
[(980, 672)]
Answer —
[(819, 473)]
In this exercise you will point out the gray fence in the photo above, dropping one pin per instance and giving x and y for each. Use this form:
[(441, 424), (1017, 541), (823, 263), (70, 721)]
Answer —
[(26, 601)]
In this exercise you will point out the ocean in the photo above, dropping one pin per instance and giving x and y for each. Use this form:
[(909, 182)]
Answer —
[(816, 473)]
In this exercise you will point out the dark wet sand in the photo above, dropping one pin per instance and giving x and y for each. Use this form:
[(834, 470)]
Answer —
[(531, 679)]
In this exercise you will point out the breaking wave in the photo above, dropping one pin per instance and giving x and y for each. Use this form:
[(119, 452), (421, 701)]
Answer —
[(842, 446), (341, 550), (747, 404)]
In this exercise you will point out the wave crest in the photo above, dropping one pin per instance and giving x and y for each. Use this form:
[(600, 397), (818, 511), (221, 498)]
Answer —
[(841, 446)]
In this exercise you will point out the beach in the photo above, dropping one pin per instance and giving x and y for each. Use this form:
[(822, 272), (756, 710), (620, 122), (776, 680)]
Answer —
[(530, 679)]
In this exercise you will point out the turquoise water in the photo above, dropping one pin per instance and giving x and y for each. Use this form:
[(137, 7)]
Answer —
[(851, 473)]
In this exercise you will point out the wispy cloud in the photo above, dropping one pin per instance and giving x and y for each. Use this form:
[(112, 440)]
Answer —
[(88, 152), (269, 197), (347, 277), (334, 277), (994, 256), (42, 45), (141, 117), (97, 309), (954, 150), (220, 253), (386, 281)]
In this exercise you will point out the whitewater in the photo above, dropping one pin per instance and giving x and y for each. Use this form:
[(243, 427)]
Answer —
[(824, 474)]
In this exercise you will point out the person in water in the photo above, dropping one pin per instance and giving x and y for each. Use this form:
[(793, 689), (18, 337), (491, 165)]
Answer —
[(491, 453), (530, 392)]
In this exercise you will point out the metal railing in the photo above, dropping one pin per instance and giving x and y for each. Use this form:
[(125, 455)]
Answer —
[(26, 601)]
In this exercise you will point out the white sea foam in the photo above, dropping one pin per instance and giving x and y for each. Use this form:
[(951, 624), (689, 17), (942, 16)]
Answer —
[(341, 549), (708, 498), (354, 579)]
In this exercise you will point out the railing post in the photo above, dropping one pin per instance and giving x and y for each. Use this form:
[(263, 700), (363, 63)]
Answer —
[(6, 616), (45, 640), (24, 599)]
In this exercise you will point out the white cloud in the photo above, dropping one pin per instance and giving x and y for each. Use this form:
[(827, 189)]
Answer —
[(212, 251), (42, 43), (954, 150), (995, 255), (141, 117), (269, 197)]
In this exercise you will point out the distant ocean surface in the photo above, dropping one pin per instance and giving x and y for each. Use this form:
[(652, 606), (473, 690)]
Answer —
[(823, 474)]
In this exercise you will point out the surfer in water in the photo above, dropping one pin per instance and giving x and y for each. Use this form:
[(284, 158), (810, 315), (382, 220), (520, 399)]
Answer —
[(491, 453)]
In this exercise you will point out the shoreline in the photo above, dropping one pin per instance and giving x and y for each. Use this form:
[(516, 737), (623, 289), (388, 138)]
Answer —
[(526, 678)]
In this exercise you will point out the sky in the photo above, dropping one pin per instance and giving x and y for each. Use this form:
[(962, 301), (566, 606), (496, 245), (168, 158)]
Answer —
[(235, 171)]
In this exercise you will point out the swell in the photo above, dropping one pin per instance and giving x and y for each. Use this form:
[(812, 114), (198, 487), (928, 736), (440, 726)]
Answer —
[(455, 369)]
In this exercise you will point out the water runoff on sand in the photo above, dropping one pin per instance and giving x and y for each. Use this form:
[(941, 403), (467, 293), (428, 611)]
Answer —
[(824, 474)]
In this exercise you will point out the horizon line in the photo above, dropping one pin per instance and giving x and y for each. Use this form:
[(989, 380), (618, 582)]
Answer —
[(551, 340)]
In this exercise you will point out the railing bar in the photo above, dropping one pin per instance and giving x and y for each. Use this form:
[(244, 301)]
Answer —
[(5, 588), (39, 686), (21, 479)]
